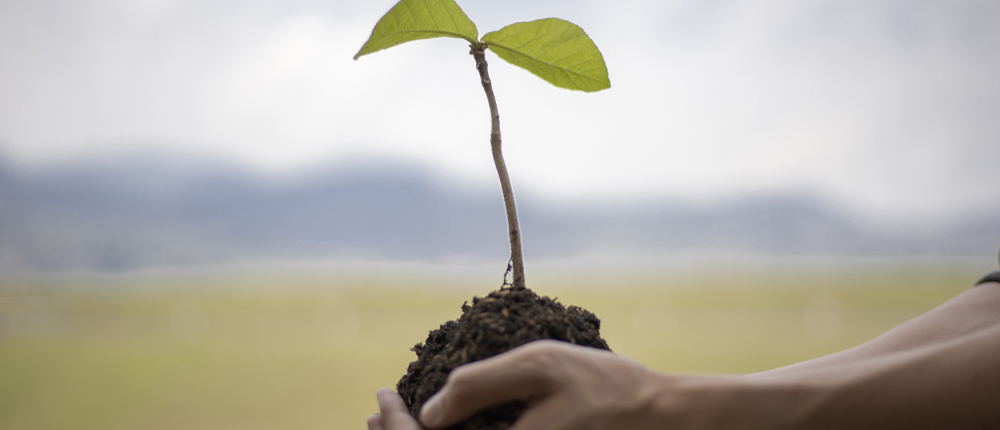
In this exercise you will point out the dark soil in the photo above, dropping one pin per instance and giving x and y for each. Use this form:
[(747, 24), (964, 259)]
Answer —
[(504, 320)]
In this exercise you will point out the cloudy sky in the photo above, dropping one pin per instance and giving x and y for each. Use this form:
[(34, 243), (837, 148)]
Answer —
[(891, 108)]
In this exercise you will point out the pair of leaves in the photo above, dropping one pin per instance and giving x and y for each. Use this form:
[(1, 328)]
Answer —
[(555, 50)]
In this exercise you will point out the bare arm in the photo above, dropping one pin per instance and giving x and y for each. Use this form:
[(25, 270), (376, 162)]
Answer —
[(971, 311), (939, 370), (949, 384)]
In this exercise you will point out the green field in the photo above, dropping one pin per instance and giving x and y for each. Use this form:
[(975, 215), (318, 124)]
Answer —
[(308, 352)]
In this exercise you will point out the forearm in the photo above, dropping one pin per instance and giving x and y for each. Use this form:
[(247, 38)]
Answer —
[(971, 311), (952, 384)]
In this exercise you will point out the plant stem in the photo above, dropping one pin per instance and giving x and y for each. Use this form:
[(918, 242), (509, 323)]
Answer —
[(479, 53)]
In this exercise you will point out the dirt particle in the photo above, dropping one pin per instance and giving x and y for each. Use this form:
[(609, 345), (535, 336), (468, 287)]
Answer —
[(480, 332)]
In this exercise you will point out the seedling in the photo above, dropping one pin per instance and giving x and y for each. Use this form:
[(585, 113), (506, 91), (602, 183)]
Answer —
[(563, 55), (553, 49)]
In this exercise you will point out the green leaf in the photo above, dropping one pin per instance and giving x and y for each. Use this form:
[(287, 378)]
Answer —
[(556, 50), (411, 20)]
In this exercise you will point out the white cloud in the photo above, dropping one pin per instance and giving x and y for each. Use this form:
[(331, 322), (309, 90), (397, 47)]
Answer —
[(889, 107)]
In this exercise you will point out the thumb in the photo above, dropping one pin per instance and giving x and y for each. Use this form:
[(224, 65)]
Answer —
[(520, 374)]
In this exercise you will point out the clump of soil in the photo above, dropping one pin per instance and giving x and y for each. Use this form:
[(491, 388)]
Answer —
[(503, 320)]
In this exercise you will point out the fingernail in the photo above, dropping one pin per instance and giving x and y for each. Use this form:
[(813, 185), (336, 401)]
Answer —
[(378, 396), (430, 413)]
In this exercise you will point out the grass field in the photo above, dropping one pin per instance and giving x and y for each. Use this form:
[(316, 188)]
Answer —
[(266, 352)]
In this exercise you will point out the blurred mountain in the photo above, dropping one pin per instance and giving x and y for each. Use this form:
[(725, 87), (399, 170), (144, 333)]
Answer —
[(154, 211)]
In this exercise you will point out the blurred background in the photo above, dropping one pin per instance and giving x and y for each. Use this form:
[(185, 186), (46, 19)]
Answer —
[(211, 217)]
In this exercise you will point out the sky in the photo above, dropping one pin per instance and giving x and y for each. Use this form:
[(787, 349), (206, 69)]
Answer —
[(891, 109)]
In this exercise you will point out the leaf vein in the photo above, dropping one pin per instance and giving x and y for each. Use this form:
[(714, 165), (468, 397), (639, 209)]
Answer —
[(448, 12), (559, 44), (540, 61)]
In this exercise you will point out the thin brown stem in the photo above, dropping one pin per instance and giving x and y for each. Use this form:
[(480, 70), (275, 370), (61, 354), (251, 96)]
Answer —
[(479, 53)]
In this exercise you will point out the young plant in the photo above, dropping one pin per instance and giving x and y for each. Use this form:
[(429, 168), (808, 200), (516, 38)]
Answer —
[(553, 49)]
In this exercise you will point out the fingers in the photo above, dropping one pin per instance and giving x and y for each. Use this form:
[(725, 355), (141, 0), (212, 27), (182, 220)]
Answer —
[(521, 374), (394, 415), (375, 422)]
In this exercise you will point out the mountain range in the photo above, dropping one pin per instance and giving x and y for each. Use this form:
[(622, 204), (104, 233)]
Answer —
[(159, 212)]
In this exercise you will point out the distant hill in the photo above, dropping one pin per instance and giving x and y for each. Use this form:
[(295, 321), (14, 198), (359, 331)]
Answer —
[(150, 212)]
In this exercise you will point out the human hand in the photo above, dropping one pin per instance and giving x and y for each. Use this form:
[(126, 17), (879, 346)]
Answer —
[(566, 387), (570, 387)]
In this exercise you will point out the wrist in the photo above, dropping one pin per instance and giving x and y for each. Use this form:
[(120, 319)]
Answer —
[(729, 402)]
